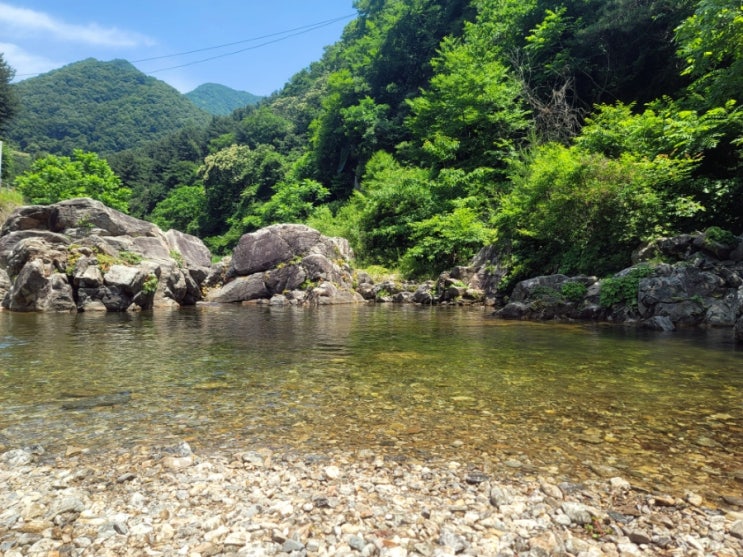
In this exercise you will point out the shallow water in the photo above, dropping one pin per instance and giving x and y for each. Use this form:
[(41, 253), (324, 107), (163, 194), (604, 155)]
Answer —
[(572, 401)]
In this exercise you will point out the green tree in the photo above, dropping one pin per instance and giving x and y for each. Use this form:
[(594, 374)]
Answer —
[(291, 202), (236, 178), (471, 114), (182, 209), (711, 44), (52, 178), (573, 211), (392, 199), (8, 99), (445, 240)]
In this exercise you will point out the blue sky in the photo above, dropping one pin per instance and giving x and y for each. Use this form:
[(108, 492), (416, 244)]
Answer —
[(37, 36)]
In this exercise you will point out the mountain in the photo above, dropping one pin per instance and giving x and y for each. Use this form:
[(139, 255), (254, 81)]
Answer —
[(98, 106), (220, 100)]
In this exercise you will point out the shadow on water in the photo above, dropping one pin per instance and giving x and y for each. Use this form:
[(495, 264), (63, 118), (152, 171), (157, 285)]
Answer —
[(567, 400)]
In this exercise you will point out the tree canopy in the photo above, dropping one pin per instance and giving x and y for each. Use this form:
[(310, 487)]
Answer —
[(565, 133), (8, 98), (55, 178)]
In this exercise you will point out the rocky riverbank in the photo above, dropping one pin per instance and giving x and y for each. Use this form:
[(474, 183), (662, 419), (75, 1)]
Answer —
[(171, 501)]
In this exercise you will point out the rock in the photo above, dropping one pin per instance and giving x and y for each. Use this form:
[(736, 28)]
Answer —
[(189, 249), (66, 504), (514, 310), (424, 294), (285, 258), (267, 248), (577, 512), (87, 213), (738, 331), (291, 545), (79, 255), (475, 477), (241, 289), (658, 323), (736, 529), (620, 484), (17, 457), (538, 286), (500, 496), (98, 400), (332, 472), (733, 500)]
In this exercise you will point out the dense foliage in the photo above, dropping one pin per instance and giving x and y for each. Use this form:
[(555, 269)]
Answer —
[(55, 178), (566, 133), (220, 100), (8, 98), (97, 106)]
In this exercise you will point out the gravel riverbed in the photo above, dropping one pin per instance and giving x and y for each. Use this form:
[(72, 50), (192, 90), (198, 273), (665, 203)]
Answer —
[(171, 500)]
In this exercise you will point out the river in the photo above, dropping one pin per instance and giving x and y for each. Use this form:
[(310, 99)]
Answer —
[(570, 401)]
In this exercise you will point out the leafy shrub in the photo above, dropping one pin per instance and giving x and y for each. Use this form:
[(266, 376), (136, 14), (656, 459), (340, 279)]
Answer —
[(721, 236), (51, 179), (149, 286), (572, 211), (130, 258), (623, 289), (445, 240), (573, 291)]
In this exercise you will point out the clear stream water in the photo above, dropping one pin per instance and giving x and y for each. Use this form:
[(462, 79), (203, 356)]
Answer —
[(572, 401)]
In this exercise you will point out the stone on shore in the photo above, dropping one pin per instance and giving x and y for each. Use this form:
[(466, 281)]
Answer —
[(174, 501)]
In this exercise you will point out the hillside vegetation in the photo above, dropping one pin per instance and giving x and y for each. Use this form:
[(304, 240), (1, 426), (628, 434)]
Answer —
[(563, 133), (220, 100), (97, 106)]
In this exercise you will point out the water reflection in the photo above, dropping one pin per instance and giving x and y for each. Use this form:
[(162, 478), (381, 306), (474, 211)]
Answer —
[(568, 400)]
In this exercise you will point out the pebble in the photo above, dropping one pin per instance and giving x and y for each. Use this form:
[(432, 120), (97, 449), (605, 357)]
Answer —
[(154, 501)]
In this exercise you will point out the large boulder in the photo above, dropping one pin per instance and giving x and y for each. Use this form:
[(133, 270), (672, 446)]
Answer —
[(287, 259), (553, 297), (79, 255), (687, 296)]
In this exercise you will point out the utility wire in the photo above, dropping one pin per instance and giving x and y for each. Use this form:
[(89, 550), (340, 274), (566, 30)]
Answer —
[(304, 30), (310, 27), (292, 33)]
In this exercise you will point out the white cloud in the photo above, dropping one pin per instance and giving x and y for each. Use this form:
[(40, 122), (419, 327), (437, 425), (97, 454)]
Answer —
[(24, 63), (25, 22)]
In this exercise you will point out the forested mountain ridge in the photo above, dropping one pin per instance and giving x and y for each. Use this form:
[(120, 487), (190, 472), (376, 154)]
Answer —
[(565, 134), (98, 106), (220, 100)]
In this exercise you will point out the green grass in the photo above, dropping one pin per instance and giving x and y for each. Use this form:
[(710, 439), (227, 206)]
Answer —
[(10, 199)]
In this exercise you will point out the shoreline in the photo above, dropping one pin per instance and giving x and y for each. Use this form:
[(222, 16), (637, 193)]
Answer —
[(173, 501)]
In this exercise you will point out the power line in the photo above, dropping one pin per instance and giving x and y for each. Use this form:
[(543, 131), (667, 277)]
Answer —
[(304, 30), (294, 32), (310, 27)]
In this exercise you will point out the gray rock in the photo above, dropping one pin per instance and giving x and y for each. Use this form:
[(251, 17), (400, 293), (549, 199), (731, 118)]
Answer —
[(283, 259), (17, 457), (88, 213), (658, 323), (125, 278), (36, 289), (66, 504), (267, 248), (291, 545), (500, 496), (736, 529), (577, 512), (241, 289), (114, 261), (190, 248), (514, 310), (738, 330), (528, 289)]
